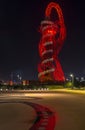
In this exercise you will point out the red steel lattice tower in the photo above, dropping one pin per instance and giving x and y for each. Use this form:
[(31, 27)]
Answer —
[(53, 36)]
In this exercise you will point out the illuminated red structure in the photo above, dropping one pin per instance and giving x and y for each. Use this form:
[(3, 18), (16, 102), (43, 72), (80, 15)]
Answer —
[(53, 36)]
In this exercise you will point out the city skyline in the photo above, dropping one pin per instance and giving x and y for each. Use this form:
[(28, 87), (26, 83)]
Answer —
[(19, 37)]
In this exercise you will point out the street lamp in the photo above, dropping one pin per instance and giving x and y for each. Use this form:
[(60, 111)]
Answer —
[(72, 76)]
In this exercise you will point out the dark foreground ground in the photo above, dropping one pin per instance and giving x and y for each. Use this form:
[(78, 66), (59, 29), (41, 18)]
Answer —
[(69, 109)]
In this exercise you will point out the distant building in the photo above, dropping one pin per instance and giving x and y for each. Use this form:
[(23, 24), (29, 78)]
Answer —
[(11, 83), (25, 82)]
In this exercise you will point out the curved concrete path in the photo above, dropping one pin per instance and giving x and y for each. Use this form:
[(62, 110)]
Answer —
[(45, 118)]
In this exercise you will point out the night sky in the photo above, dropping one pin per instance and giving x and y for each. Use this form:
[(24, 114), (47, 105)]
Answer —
[(19, 37)]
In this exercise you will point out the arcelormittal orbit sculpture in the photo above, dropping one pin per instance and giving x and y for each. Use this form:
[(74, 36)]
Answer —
[(53, 36)]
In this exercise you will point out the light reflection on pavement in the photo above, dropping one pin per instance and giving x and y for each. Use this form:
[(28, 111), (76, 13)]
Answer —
[(45, 119)]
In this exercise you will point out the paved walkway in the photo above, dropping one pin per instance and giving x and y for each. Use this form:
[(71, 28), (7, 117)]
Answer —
[(21, 117), (16, 116)]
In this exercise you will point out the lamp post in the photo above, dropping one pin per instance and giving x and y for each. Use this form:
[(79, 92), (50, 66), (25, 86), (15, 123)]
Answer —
[(72, 76)]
